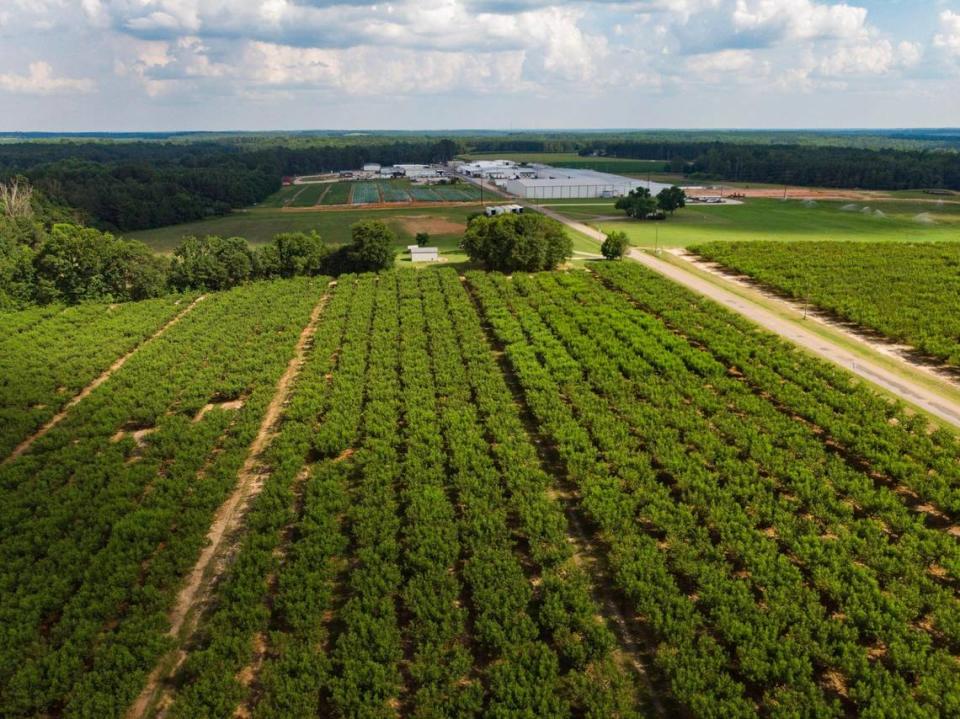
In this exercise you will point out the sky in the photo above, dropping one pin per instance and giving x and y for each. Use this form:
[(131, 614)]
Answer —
[(162, 65)]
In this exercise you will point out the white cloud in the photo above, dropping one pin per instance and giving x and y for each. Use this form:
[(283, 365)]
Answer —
[(371, 72), (875, 58), (185, 52), (799, 19), (948, 38), (40, 80), (723, 63)]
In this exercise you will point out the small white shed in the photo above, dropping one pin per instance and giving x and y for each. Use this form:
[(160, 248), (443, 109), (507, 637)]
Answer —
[(372, 167), (424, 254)]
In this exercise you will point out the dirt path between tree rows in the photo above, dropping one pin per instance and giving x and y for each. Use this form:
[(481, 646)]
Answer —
[(227, 520), (86, 391)]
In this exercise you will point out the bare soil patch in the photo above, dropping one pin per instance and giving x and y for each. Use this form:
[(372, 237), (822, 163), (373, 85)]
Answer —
[(227, 521), (233, 404), (800, 193), (381, 206), (432, 225)]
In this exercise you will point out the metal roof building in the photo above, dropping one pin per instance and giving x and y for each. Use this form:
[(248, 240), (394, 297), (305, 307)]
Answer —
[(552, 183), (424, 254)]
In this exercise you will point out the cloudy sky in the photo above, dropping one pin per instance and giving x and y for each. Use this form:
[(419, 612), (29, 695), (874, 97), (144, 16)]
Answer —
[(434, 64)]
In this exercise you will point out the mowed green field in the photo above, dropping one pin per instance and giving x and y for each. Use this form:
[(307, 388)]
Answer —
[(908, 221), (445, 225), (258, 226)]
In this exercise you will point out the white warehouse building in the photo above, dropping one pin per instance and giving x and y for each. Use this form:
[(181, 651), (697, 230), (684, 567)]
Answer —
[(553, 183), (417, 171)]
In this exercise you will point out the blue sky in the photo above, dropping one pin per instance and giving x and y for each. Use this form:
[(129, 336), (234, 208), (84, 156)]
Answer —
[(523, 64)]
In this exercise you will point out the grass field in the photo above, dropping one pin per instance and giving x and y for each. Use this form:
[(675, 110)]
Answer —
[(310, 195), (258, 226), (339, 194), (791, 220), (283, 197)]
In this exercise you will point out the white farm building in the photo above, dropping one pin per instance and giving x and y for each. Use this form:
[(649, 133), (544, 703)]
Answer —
[(412, 172), (423, 254), (553, 183), (491, 169)]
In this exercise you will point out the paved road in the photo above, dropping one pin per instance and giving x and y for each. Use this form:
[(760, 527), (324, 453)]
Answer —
[(896, 384)]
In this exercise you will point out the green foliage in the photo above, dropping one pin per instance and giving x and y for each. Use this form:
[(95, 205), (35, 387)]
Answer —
[(672, 417), (615, 245), (17, 283), (48, 354), (46, 258), (372, 248), (100, 526), (638, 204), (422, 239), (671, 199), (527, 242), (74, 264), (908, 292), (212, 263), (292, 254)]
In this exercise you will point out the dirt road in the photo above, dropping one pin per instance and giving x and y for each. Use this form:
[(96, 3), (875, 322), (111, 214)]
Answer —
[(897, 384)]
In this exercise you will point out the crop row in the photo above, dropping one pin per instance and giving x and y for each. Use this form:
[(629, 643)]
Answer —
[(310, 194), (105, 514), (393, 193), (338, 194), (49, 354), (632, 403), (871, 432), (301, 499), (438, 614), (363, 193), (908, 292), (825, 547)]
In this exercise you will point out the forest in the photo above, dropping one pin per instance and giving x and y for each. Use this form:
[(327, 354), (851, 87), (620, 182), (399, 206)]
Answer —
[(140, 182), (806, 165), (125, 186), (47, 258), (581, 494)]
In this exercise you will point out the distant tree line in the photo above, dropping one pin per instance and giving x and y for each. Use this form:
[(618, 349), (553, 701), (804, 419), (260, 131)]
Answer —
[(798, 164), (46, 258), (140, 185)]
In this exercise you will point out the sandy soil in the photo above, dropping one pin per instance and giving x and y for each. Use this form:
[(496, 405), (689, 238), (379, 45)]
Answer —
[(380, 206), (897, 384), (85, 392), (227, 520), (432, 225), (814, 193)]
